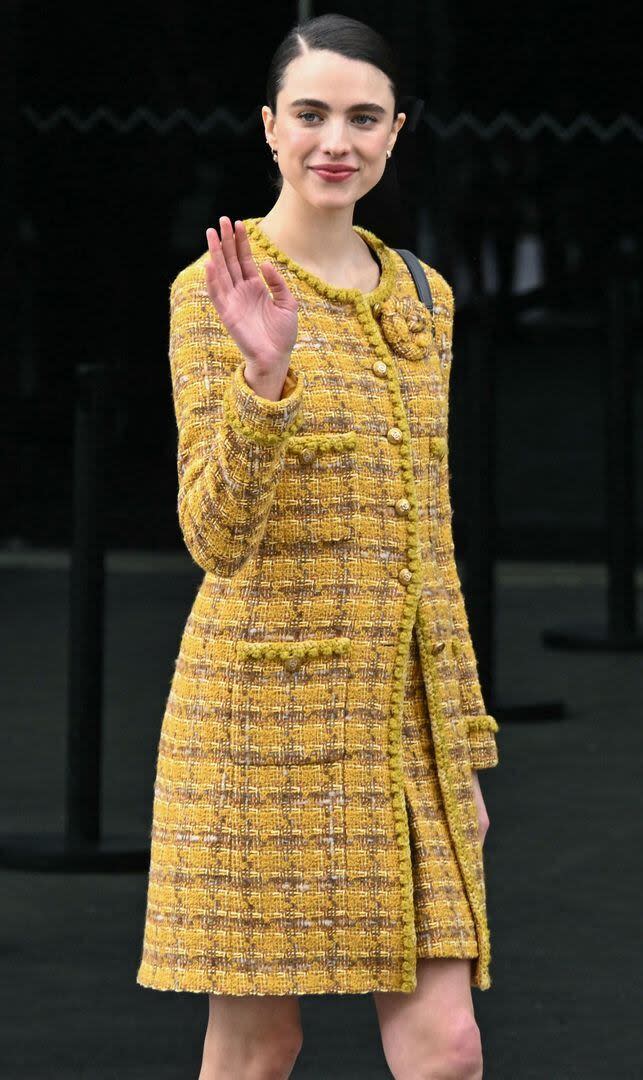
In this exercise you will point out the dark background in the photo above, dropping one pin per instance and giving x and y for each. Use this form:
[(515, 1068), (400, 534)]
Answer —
[(127, 130), (528, 136)]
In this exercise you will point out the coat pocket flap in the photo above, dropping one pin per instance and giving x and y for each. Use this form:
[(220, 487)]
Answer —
[(313, 443), (304, 649)]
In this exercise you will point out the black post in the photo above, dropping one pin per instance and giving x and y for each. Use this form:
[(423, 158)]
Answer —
[(619, 463), (86, 593), (481, 426), (480, 466), (81, 846), (621, 633)]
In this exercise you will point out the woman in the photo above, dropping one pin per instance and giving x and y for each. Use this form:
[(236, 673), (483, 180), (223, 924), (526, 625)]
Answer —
[(318, 820)]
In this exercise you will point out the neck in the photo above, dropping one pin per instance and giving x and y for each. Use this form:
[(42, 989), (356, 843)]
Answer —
[(313, 236)]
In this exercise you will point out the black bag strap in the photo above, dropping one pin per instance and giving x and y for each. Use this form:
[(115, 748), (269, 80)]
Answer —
[(418, 275)]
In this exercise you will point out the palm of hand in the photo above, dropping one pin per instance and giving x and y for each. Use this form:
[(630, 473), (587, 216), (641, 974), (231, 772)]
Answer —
[(258, 325), (260, 316)]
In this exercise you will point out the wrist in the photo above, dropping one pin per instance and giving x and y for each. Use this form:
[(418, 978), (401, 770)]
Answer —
[(261, 419), (270, 385)]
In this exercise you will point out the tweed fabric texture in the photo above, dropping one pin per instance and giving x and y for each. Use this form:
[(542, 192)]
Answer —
[(281, 858), (443, 919)]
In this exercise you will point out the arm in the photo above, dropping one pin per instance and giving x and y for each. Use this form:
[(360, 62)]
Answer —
[(481, 727), (231, 441)]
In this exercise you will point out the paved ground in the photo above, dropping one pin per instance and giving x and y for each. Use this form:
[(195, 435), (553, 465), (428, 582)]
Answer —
[(563, 851)]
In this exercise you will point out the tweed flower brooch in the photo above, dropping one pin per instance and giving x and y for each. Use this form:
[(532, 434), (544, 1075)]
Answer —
[(407, 326)]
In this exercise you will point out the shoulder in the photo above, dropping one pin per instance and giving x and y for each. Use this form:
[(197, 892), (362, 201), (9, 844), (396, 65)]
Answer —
[(194, 319), (189, 283), (441, 291)]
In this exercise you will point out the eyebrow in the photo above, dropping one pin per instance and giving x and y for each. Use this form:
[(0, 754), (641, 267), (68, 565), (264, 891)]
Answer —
[(368, 106)]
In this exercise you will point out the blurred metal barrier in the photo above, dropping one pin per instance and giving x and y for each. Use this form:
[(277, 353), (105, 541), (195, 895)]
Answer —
[(477, 332), (620, 325), (615, 325), (82, 847)]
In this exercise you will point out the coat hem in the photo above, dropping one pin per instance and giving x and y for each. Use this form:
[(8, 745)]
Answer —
[(165, 979)]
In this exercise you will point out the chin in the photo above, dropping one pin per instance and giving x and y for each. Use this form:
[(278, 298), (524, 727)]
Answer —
[(330, 201), (333, 196)]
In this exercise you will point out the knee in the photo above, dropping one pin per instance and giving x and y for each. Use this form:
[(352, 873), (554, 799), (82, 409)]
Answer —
[(278, 1055), (452, 1050), (460, 1054), (268, 1053)]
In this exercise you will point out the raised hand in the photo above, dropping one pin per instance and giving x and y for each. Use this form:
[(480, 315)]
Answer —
[(260, 315)]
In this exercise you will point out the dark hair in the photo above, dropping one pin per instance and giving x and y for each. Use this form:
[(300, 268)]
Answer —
[(335, 33)]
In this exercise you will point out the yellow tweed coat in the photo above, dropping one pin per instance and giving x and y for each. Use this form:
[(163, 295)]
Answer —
[(280, 854)]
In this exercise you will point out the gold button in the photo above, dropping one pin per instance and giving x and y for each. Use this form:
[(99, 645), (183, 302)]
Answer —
[(380, 368), (292, 663), (405, 575), (437, 647), (307, 454), (394, 435), (377, 310), (402, 506)]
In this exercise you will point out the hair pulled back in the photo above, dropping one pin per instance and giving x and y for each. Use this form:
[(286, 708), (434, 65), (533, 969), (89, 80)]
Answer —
[(338, 34)]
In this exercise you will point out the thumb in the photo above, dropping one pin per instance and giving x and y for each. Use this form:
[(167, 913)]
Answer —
[(275, 282)]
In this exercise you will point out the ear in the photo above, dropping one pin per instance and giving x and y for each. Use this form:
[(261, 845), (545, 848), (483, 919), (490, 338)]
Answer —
[(268, 120), (397, 124), (400, 120)]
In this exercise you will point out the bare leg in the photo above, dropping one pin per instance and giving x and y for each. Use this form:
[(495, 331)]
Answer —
[(254, 1037), (431, 1034)]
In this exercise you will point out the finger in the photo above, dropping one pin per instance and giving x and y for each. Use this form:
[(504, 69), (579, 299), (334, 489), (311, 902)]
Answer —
[(230, 250), (276, 283), (244, 252), (216, 267)]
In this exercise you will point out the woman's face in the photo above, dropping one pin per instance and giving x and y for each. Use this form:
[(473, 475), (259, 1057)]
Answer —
[(332, 110)]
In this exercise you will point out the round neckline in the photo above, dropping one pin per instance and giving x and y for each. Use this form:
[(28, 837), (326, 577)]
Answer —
[(334, 292)]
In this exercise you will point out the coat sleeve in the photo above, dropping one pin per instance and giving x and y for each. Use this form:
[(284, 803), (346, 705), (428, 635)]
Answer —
[(231, 441), (481, 727)]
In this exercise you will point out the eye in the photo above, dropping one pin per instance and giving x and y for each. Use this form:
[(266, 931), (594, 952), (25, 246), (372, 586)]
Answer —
[(360, 116)]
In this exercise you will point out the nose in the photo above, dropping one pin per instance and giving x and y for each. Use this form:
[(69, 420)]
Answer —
[(336, 140)]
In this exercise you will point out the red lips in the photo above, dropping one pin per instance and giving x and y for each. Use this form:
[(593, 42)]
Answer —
[(334, 168)]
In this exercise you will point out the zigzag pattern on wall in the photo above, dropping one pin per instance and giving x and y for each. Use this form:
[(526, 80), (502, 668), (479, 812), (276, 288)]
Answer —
[(142, 117)]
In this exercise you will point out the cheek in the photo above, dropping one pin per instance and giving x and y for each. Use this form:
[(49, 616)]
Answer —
[(300, 142), (376, 149)]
